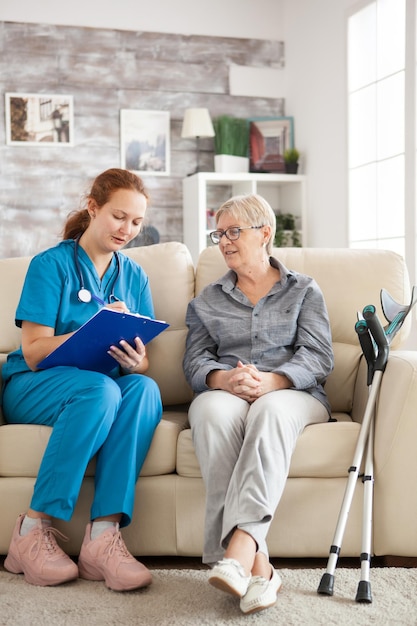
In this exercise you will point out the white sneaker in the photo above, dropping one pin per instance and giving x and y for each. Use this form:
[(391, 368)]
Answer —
[(261, 593), (228, 575)]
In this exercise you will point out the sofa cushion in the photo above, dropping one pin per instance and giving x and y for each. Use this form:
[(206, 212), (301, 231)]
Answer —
[(22, 447), (340, 385), (12, 276), (322, 451), (171, 277)]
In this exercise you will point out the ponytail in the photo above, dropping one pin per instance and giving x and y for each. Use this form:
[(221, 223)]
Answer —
[(102, 188)]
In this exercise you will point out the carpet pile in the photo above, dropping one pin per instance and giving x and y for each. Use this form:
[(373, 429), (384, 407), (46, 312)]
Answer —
[(182, 597)]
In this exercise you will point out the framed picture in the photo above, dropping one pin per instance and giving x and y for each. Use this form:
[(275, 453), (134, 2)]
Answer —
[(39, 119), (269, 137), (145, 141)]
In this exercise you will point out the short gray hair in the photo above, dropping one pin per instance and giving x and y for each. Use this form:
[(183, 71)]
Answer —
[(254, 210)]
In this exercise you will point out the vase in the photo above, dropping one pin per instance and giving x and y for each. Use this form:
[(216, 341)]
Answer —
[(229, 163)]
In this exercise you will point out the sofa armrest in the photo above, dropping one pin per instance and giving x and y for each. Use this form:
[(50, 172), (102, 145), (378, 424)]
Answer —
[(395, 471), (3, 359)]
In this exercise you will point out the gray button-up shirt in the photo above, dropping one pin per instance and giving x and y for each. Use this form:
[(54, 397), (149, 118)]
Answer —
[(287, 332)]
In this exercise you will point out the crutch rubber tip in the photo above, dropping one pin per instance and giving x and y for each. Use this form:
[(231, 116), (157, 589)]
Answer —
[(363, 593), (326, 585)]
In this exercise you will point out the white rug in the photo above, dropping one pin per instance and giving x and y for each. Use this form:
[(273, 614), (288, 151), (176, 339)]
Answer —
[(183, 597)]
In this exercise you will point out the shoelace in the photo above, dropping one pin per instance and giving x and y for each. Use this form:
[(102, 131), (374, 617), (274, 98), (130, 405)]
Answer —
[(259, 580), (45, 540), (118, 545), (236, 565)]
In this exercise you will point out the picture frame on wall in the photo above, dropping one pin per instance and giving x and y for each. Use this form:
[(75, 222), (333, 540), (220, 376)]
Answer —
[(269, 137), (145, 141), (39, 119)]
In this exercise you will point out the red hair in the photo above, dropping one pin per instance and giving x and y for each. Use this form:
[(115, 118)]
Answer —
[(102, 188)]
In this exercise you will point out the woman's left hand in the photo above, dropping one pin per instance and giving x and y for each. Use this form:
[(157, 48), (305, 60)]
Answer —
[(266, 382), (132, 360)]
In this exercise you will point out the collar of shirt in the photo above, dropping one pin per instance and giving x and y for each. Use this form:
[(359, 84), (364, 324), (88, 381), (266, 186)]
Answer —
[(228, 280)]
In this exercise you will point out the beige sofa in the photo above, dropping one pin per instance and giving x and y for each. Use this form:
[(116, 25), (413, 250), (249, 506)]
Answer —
[(169, 511)]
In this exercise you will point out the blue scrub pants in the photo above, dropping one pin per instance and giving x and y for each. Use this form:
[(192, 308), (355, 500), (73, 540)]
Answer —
[(91, 414)]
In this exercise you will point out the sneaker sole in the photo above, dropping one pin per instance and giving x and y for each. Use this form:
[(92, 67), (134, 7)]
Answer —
[(262, 607), (49, 583), (88, 572), (12, 565), (224, 585)]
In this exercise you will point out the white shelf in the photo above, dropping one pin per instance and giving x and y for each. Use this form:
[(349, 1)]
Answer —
[(207, 190)]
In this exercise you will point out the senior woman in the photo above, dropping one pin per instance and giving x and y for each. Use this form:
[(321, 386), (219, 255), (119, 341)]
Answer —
[(257, 355)]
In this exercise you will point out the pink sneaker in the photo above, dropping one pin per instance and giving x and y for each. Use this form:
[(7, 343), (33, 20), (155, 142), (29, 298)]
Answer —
[(38, 556), (107, 558)]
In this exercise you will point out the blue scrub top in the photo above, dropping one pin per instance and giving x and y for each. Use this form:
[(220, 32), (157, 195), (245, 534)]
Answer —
[(50, 293)]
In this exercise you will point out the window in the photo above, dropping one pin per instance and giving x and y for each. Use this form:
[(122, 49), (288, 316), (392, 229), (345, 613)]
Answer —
[(376, 56)]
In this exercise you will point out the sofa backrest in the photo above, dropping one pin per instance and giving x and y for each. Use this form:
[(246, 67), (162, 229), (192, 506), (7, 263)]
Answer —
[(350, 280), (171, 276), (12, 276)]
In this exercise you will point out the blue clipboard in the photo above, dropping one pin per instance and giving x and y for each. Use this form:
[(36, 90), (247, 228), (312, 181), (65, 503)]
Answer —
[(87, 347)]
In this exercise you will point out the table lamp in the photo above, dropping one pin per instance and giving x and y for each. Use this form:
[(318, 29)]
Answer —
[(197, 123)]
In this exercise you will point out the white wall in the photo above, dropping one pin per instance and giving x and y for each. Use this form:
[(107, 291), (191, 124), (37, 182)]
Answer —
[(316, 97), (262, 19)]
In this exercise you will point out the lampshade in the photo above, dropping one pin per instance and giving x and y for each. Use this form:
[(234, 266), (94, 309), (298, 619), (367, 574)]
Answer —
[(197, 123)]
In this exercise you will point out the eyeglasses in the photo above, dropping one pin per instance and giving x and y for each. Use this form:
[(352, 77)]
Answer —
[(231, 233)]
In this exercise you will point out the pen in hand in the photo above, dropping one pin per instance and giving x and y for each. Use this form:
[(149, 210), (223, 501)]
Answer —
[(97, 299), (113, 305)]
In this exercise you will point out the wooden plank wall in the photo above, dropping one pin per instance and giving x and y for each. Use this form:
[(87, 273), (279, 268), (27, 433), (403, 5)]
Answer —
[(105, 71)]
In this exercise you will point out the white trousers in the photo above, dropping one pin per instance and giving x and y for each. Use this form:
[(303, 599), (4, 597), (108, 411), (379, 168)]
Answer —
[(244, 451)]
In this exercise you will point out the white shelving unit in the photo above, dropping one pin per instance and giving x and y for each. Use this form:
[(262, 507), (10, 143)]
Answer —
[(204, 192)]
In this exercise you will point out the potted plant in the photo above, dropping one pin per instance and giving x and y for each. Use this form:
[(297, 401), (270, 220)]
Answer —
[(231, 144), (291, 156), (286, 233)]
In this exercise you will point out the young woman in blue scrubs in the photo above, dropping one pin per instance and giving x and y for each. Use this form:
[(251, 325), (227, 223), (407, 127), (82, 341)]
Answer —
[(92, 414)]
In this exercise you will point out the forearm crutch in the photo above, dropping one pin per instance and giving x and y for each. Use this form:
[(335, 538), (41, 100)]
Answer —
[(373, 353), (374, 340), (377, 366)]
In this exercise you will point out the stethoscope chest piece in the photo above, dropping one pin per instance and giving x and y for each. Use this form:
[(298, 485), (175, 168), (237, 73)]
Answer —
[(84, 295)]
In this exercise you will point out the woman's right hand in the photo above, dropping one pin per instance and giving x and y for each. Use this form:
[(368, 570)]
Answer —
[(118, 305), (243, 381)]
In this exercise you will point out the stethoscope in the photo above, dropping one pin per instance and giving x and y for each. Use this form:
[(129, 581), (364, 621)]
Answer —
[(85, 295)]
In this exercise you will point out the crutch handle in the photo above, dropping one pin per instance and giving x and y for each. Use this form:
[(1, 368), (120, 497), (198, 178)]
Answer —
[(365, 340), (377, 331)]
